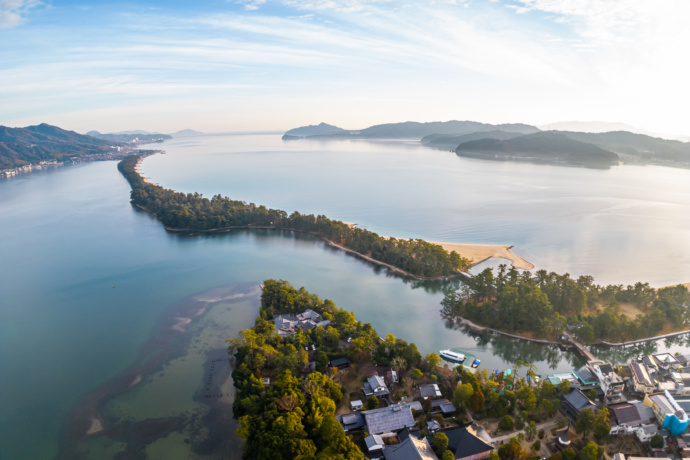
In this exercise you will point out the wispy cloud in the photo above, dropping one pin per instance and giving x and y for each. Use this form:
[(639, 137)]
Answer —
[(12, 12)]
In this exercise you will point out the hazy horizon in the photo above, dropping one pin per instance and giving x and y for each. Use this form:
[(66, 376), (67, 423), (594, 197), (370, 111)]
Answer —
[(258, 65)]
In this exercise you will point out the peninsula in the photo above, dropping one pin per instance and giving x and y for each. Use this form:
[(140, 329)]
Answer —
[(192, 213)]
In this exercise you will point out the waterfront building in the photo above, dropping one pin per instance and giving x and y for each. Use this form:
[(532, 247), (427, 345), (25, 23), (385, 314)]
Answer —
[(668, 413)]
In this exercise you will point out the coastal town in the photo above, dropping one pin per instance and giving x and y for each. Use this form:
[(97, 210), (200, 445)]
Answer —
[(644, 401), (392, 403)]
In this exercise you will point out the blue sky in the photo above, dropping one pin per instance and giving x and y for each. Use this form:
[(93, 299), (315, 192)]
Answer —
[(264, 65)]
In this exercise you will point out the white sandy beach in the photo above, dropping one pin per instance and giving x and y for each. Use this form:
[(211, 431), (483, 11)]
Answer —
[(478, 253)]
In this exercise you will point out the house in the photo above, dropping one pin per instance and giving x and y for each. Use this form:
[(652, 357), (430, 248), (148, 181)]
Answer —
[(587, 377), (374, 443), (287, 325), (375, 386), (432, 426), (410, 449), (465, 445), (668, 413), (666, 361), (430, 391), (575, 402), (682, 380), (388, 420), (352, 422), (626, 418), (442, 406), (642, 383), (611, 384), (340, 363), (356, 404), (392, 376), (645, 433)]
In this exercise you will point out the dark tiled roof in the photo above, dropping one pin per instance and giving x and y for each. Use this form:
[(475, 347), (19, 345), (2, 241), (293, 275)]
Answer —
[(351, 421), (627, 414), (578, 400), (605, 368), (406, 450), (340, 362), (429, 391), (464, 444)]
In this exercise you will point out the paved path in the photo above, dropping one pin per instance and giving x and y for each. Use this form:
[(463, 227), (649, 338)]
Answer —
[(546, 425)]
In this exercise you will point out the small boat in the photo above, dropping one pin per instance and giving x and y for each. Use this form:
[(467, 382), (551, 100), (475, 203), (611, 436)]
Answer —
[(450, 355), (475, 363)]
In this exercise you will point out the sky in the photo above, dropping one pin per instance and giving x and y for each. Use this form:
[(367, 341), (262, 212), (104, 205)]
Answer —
[(252, 65)]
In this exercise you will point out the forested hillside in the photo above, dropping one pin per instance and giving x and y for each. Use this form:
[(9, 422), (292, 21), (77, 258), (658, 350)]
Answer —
[(545, 303), (33, 144)]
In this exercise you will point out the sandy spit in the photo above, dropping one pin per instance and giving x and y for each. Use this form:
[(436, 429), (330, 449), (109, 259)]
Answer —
[(478, 253)]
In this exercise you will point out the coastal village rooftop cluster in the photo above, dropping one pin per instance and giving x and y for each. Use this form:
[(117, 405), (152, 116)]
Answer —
[(650, 396)]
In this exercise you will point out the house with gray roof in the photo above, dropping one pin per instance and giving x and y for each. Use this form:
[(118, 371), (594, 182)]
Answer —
[(351, 422), (388, 420), (374, 443), (626, 418), (375, 386), (575, 402), (430, 391), (465, 445), (410, 449)]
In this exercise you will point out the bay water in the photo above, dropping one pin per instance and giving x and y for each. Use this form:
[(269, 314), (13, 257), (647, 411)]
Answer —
[(68, 236)]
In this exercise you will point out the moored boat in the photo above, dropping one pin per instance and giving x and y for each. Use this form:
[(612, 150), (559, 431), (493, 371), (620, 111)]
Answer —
[(475, 363), (450, 355)]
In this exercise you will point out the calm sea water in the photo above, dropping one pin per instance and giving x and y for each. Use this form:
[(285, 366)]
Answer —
[(621, 225), (67, 236)]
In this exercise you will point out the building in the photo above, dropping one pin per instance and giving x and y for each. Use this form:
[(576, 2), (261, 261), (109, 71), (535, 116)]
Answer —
[(375, 386), (430, 391), (465, 445), (666, 361), (351, 422), (575, 402), (287, 325), (641, 381), (627, 418), (340, 363), (356, 404), (668, 413), (611, 384), (388, 420), (410, 449), (374, 443)]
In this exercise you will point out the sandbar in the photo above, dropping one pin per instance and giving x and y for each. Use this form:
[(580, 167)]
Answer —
[(96, 427), (181, 323), (478, 253)]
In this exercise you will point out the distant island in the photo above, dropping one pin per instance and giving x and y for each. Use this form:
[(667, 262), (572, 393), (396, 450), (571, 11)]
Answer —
[(547, 146), (519, 141)]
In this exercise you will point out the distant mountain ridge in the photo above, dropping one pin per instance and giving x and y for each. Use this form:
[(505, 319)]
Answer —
[(444, 141), (547, 146), (404, 130), (134, 137), (33, 144)]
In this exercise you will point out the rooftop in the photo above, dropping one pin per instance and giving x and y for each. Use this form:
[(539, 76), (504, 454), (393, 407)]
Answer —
[(410, 449), (464, 444), (389, 419)]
